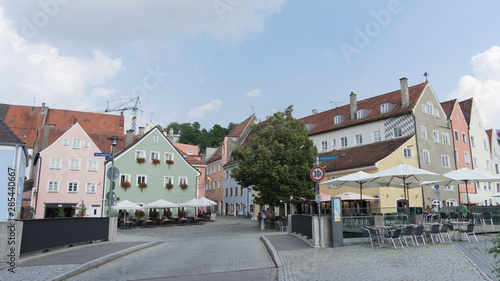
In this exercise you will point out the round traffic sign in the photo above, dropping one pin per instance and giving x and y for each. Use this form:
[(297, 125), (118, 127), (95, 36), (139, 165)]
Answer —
[(317, 173)]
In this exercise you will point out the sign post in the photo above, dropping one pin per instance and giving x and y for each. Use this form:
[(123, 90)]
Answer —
[(317, 175)]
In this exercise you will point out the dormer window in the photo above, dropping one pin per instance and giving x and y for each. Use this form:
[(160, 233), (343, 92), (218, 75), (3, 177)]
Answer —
[(337, 119), (360, 114), (385, 108)]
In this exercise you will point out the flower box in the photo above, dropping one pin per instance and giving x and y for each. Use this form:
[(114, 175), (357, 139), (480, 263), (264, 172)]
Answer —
[(169, 162), (140, 160), (143, 185), (169, 186), (156, 161), (183, 185), (139, 213), (125, 184)]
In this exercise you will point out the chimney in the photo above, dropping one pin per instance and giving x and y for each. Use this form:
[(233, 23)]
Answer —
[(141, 131), (354, 105), (43, 108), (129, 138), (315, 111), (405, 94)]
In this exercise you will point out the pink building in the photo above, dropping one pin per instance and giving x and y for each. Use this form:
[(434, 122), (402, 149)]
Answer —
[(67, 175)]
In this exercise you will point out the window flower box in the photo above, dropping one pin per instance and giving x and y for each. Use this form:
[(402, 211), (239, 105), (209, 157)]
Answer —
[(156, 161), (125, 184), (183, 185), (169, 186), (143, 185), (140, 160), (169, 162)]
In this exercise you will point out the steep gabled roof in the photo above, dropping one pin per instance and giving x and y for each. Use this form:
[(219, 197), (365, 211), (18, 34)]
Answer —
[(448, 107), (7, 136), (240, 127), (217, 155), (466, 107), (323, 122), (491, 137), (362, 156)]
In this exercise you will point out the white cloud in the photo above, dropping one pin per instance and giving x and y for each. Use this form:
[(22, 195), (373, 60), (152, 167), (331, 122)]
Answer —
[(200, 111), (35, 70), (483, 85), (253, 93)]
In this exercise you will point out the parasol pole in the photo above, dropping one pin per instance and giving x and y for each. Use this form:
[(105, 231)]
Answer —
[(467, 191), (361, 196)]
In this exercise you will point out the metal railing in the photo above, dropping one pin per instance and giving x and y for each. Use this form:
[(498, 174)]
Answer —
[(44, 234)]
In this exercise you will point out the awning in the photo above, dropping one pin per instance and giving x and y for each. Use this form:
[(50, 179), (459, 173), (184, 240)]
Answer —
[(473, 197)]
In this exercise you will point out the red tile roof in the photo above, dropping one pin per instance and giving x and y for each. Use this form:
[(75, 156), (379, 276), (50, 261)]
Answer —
[(323, 122), (239, 128), (448, 107), (466, 107), (362, 156)]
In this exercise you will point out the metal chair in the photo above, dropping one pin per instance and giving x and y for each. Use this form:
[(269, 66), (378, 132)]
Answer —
[(374, 234), (418, 231), (444, 230), (408, 232), (434, 232), (487, 216), (396, 234), (469, 231)]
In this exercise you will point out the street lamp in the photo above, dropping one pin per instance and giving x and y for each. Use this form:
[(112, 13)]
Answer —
[(114, 141)]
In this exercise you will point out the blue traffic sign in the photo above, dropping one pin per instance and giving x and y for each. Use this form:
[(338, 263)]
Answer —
[(108, 158), (327, 158), (436, 186), (103, 154), (116, 173)]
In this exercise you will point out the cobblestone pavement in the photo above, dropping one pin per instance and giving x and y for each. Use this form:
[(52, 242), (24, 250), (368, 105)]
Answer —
[(358, 262)]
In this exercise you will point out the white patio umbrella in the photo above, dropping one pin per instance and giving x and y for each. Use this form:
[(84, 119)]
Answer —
[(354, 196), (465, 176), (206, 202), (126, 205), (403, 175), (161, 204), (358, 179)]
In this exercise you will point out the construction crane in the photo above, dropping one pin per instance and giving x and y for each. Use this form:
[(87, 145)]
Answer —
[(124, 106)]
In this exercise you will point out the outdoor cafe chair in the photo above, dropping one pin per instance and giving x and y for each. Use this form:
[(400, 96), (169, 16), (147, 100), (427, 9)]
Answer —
[(366, 235), (444, 230), (454, 216), (469, 231), (374, 235), (434, 232), (487, 217), (396, 234), (284, 226), (443, 217), (408, 232), (418, 231)]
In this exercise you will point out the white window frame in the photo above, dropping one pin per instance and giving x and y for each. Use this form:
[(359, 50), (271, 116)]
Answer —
[(430, 108), (337, 119), (474, 162), (182, 180), (154, 155), (125, 178), (141, 178), (52, 186), (436, 112), (408, 152), (343, 142), (457, 160), (169, 156), (140, 154), (220, 167), (485, 144), (76, 143), (220, 184), (91, 187), (435, 135), (398, 132), (75, 164), (73, 185), (423, 132), (384, 108), (427, 156), (424, 108), (456, 135), (360, 114), (155, 138), (86, 143), (445, 161), (334, 142), (446, 138), (168, 179), (358, 139), (65, 142), (55, 163), (377, 136), (464, 137), (92, 165), (467, 157), (324, 146), (448, 187)]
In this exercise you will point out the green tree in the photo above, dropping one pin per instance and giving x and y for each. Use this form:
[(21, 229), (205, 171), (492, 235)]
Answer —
[(278, 161), (61, 213)]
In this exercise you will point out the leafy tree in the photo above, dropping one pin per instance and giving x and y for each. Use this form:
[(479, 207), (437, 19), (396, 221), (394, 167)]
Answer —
[(278, 160), (61, 213)]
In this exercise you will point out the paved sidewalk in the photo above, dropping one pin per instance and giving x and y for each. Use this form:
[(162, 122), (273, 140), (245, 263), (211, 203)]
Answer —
[(66, 262)]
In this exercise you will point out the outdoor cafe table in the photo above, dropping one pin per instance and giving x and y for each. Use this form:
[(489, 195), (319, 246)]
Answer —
[(382, 230), (459, 225)]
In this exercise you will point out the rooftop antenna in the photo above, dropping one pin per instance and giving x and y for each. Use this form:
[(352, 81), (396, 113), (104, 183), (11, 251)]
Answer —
[(336, 103), (426, 74), (253, 109)]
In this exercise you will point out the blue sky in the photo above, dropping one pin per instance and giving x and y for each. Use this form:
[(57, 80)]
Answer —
[(218, 61)]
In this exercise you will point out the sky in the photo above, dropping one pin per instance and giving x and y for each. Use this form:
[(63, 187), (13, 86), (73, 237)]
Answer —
[(219, 61)]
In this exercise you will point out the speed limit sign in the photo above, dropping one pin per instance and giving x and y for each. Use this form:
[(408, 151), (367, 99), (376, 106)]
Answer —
[(317, 174)]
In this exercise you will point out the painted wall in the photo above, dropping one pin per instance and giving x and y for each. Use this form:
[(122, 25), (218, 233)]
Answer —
[(215, 184), (239, 197), (13, 169)]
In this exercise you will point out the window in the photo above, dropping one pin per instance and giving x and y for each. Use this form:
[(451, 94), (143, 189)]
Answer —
[(464, 137), (360, 114), (141, 179), (424, 108), (435, 134), (124, 178), (472, 141), (485, 187), (377, 136), (65, 142), (488, 165), (334, 143), (155, 138), (451, 203), (324, 145), (231, 191), (456, 156), (72, 186), (430, 108), (467, 157), (485, 144), (343, 141), (168, 179), (220, 167), (427, 156), (436, 112), (359, 139), (384, 108), (183, 180), (92, 165), (333, 185), (140, 154), (169, 156), (496, 168), (446, 138), (74, 164), (55, 163), (448, 187), (457, 138), (408, 152), (77, 144), (474, 162), (398, 132), (91, 187), (489, 186), (337, 119), (154, 155), (86, 143), (226, 175), (423, 132), (445, 161), (220, 184), (53, 186)]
